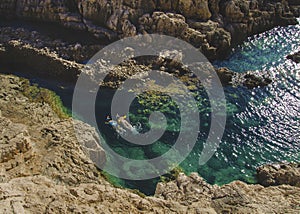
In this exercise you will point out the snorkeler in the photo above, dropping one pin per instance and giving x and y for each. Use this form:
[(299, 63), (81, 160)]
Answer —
[(111, 122), (121, 125)]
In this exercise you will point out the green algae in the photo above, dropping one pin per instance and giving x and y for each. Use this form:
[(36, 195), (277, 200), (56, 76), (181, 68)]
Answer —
[(172, 175), (43, 95)]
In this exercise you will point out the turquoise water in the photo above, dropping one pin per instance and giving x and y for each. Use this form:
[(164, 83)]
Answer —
[(263, 124)]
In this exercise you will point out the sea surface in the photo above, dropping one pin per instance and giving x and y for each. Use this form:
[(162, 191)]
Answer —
[(263, 124)]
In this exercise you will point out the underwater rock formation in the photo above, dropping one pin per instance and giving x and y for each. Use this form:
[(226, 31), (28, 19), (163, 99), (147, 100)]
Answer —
[(295, 57)]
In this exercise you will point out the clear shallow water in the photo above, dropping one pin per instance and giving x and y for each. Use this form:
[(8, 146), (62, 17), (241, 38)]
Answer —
[(263, 124)]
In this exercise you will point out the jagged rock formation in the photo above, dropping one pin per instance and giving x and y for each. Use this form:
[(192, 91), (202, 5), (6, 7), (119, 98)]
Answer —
[(32, 134), (236, 197), (211, 25), (43, 166), (46, 57), (276, 174), (14, 141), (43, 169)]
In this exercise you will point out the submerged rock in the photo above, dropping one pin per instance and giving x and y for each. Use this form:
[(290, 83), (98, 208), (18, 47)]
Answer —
[(294, 57)]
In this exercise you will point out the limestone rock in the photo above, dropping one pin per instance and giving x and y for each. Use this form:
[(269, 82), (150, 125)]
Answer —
[(90, 143), (119, 22), (14, 139), (194, 9), (33, 135), (110, 20), (167, 23), (186, 189), (207, 36), (232, 11), (48, 171), (276, 174), (238, 197)]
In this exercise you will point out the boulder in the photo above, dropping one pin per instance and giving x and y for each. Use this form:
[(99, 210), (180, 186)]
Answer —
[(277, 174), (194, 9)]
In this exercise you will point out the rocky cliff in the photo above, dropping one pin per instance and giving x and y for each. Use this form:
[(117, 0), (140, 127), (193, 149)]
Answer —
[(210, 25), (46, 57), (45, 170)]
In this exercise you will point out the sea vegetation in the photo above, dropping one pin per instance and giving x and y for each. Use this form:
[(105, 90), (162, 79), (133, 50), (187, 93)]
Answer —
[(36, 94)]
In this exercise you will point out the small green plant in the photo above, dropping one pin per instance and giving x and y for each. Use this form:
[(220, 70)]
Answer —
[(172, 175)]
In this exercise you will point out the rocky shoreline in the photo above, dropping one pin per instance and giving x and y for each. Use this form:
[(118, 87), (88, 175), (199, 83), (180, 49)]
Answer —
[(46, 57), (44, 169), (213, 26)]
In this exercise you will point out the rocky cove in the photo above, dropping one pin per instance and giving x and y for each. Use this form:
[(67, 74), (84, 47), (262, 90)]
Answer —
[(45, 169), (40, 150)]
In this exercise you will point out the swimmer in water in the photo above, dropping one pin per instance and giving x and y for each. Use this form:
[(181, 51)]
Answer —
[(111, 122), (126, 125), (121, 125)]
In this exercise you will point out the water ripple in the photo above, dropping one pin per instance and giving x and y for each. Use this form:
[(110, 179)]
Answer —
[(267, 126)]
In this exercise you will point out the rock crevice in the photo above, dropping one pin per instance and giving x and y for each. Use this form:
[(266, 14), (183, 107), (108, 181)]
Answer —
[(231, 21)]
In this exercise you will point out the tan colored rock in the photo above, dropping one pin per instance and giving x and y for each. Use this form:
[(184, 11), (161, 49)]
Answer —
[(194, 9), (206, 36), (110, 20), (33, 135), (233, 11), (276, 174), (119, 22), (14, 140), (90, 143), (168, 23), (59, 177), (25, 54), (204, 26)]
